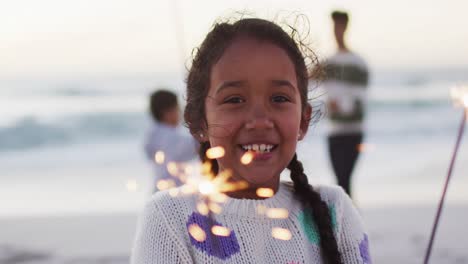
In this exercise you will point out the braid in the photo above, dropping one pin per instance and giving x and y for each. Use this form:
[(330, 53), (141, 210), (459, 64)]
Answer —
[(321, 214), (204, 146)]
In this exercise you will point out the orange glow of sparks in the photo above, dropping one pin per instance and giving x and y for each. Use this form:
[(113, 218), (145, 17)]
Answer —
[(203, 208), (277, 213), (206, 170), (221, 181), (206, 187), (247, 158), (265, 192), (220, 230), (459, 95), (281, 233), (172, 168), (222, 177), (215, 152), (165, 184), (132, 185), (212, 188), (188, 189), (233, 186), (218, 197), (215, 208), (197, 232), (366, 147), (206, 167), (159, 157)]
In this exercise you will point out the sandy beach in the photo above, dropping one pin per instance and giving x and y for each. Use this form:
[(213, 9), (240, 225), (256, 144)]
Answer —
[(398, 235)]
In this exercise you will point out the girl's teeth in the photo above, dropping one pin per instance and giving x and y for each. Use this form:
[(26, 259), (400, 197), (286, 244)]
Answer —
[(258, 147)]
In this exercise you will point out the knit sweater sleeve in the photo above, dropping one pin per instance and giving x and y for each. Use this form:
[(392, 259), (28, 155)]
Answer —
[(156, 241), (352, 239)]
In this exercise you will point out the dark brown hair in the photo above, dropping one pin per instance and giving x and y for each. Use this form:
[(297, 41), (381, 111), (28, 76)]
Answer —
[(210, 51), (160, 102), (340, 17)]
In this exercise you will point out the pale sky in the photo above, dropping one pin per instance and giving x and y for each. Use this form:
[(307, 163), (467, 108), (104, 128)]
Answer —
[(54, 37)]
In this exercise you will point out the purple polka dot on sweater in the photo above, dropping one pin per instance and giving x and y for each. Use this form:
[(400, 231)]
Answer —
[(364, 250), (222, 247)]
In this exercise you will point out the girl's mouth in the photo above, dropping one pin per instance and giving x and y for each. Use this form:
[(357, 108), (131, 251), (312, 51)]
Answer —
[(258, 149)]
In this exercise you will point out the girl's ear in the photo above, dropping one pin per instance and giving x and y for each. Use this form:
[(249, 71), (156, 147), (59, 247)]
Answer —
[(201, 136), (305, 121)]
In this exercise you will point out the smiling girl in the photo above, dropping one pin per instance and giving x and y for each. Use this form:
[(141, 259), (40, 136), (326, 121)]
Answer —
[(247, 92)]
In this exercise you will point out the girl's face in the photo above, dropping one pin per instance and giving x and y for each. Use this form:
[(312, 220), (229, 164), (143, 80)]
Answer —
[(254, 104)]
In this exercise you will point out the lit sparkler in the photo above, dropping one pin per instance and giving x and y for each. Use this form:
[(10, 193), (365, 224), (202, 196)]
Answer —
[(211, 190), (460, 98)]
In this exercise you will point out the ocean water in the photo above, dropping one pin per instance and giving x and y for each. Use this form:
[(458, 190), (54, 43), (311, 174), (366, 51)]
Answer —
[(75, 145)]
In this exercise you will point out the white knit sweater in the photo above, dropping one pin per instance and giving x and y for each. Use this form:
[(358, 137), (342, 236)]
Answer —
[(163, 237)]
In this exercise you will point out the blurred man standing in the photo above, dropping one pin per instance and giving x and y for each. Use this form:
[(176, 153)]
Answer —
[(345, 85)]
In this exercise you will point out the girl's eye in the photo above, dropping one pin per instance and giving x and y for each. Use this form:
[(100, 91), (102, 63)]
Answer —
[(279, 99), (234, 100)]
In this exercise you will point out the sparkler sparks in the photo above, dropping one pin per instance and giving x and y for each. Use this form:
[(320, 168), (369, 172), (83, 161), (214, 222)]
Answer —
[(159, 157), (206, 187), (215, 153), (172, 168), (215, 208), (220, 230), (277, 213), (197, 232), (165, 184), (202, 208), (459, 95), (281, 233), (210, 187), (265, 192), (211, 190), (247, 158)]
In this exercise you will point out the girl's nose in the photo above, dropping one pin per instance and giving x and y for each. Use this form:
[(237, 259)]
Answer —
[(259, 123), (259, 120)]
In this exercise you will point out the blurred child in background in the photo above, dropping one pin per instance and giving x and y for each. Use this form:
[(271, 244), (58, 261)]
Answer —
[(167, 137)]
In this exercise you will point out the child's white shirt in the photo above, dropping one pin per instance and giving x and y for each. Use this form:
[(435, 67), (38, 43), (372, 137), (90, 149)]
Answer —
[(176, 144), (163, 236)]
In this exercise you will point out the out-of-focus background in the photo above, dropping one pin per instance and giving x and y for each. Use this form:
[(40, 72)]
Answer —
[(74, 83)]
